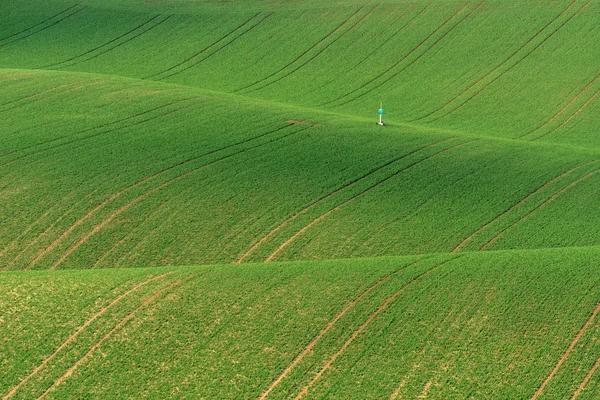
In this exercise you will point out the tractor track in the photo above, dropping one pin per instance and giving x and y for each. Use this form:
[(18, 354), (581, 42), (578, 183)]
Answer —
[(414, 49), (119, 324), (40, 23), (548, 182), (328, 327), (367, 321), (497, 67), (361, 193), (548, 200), (485, 86), (77, 331), (320, 199)]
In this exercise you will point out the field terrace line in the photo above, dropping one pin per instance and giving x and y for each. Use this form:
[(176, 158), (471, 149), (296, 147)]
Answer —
[(340, 205)]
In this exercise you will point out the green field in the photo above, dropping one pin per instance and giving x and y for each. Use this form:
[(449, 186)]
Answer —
[(257, 235)]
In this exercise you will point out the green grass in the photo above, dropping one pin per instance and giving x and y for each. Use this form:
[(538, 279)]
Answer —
[(451, 254)]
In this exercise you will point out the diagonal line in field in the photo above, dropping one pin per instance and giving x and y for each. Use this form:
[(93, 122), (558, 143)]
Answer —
[(119, 324), (340, 205), (78, 330), (562, 110), (155, 188), (497, 67), (38, 93), (564, 356), (44, 28), (394, 75), (77, 140), (193, 64), (320, 199), (40, 23), (328, 327), (585, 380), (102, 45), (316, 54), (580, 109), (52, 245), (485, 86), (381, 307), (302, 54), (548, 200), (190, 58), (414, 49), (481, 228)]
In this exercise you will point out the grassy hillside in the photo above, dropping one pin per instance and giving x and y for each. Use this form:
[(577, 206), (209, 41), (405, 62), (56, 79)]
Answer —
[(452, 253), (477, 325)]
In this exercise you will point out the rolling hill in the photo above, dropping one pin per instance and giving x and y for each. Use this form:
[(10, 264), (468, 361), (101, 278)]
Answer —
[(256, 234)]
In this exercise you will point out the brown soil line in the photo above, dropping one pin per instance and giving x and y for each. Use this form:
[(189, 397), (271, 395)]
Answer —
[(329, 325), (153, 189), (78, 330), (119, 324), (548, 200), (302, 122), (402, 58), (340, 205), (497, 67), (564, 108), (566, 353), (577, 392), (465, 240), (303, 53), (381, 307), (512, 66), (310, 205), (572, 116)]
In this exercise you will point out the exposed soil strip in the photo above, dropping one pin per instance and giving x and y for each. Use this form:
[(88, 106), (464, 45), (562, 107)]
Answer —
[(497, 66), (562, 109), (485, 86), (585, 380), (302, 54), (302, 122), (46, 27), (327, 328), (310, 205), (78, 330), (122, 322), (193, 64), (316, 54), (381, 307), (135, 184), (204, 49), (465, 240), (102, 45), (394, 75), (566, 353), (340, 205), (40, 23), (160, 186), (548, 200), (417, 47), (572, 116)]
